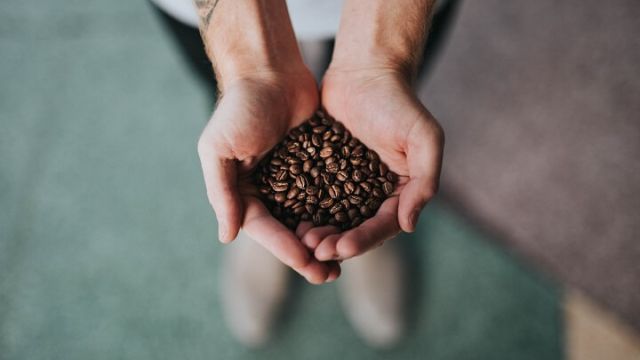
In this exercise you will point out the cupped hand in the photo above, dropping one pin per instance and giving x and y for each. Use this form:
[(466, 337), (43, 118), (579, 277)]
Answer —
[(379, 107), (253, 115)]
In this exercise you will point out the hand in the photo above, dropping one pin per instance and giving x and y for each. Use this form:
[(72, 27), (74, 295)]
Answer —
[(379, 107), (255, 113)]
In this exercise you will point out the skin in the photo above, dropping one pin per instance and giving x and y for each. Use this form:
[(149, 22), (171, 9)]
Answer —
[(267, 90)]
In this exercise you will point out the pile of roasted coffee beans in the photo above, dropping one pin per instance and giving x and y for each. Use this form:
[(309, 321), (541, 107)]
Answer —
[(321, 173)]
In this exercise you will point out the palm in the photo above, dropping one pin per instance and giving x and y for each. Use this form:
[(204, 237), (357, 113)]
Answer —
[(250, 119), (380, 109)]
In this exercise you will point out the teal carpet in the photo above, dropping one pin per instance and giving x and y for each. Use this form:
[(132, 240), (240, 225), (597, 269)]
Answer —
[(107, 243)]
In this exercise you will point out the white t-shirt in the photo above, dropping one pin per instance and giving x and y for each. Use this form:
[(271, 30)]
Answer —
[(311, 19)]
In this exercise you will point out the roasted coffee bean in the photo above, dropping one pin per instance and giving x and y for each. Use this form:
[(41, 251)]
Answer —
[(366, 186), (335, 208), (326, 152), (293, 192), (279, 185), (295, 169), (280, 197), (326, 203), (383, 169), (346, 151), (349, 187), (293, 147), (342, 175), (345, 203), (341, 216), (281, 175), (310, 208), (334, 191), (357, 175), (321, 173), (355, 199), (301, 182), (365, 211), (326, 178), (319, 129), (387, 187), (302, 155), (306, 167)]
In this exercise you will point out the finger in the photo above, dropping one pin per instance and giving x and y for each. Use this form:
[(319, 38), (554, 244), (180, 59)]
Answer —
[(381, 227), (424, 157), (326, 249), (303, 228), (281, 242), (220, 177), (312, 238), (334, 271)]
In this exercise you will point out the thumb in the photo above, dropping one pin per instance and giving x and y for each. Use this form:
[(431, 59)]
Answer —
[(220, 177), (424, 158)]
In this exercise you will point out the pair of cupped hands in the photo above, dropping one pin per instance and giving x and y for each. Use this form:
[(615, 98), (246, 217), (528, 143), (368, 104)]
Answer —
[(255, 112)]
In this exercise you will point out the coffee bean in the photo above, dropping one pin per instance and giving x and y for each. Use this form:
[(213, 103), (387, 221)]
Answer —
[(306, 167), (279, 185), (346, 151), (280, 197), (345, 203), (340, 216), (366, 186), (319, 129), (326, 152), (357, 175), (293, 192), (325, 203), (321, 173), (342, 175), (335, 208), (293, 147), (281, 174), (349, 187), (365, 211), (355, 199), (295, 169), (387, 187), (334, 191), (301, 181)]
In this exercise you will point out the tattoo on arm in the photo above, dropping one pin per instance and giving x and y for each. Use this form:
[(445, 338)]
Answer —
[(205, 10)]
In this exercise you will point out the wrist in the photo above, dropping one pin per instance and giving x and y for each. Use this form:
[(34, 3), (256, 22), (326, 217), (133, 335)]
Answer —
[(250, 39), (379, 34)]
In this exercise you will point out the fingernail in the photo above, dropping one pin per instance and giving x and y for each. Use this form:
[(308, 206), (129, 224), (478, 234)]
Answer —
[(222, 232), (413, 218)]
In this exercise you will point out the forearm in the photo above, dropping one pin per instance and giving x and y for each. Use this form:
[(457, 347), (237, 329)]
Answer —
[(382, 34), (248, 37)]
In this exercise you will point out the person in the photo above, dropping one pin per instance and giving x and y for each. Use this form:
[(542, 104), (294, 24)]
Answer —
[(265, 89)]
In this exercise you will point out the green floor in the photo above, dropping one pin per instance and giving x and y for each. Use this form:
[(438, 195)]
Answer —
[(107, 244)]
